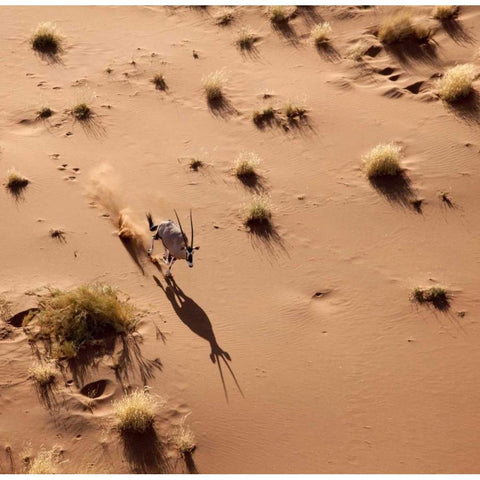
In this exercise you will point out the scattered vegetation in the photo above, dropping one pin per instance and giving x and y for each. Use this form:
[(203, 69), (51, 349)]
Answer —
[(278, 14), (456, 83), (82, 317), (82, 111), (293, 111), (258, 211), (159, 81), (184, 439), (46, 39), (321, 33), (213, 85), (437, 296), (261, 117), (384, 159), (225, 17), (445, 12), (58, 234), (16, 182), (135, 412), (246, 39), (195, 163), (246, 164), (45, 112), (44, 374), (44, 462), (400, 27)]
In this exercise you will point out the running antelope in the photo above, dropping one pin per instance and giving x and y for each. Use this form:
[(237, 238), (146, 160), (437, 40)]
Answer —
[(174, 241)]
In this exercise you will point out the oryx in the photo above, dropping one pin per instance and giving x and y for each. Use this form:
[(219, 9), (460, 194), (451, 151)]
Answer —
[(174, 241)]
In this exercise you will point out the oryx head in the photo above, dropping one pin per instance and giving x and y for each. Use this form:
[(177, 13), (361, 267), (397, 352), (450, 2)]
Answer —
[(189, 249)]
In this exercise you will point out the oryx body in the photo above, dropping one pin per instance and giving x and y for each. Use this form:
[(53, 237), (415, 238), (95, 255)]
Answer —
[(174, 241)]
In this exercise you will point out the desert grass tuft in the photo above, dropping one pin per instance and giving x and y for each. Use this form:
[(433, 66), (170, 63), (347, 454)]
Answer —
[(456, 83), (195, 163), (259, 117), (246, 39), (383, 160), (184, 439), (135, 412), (225, 17), (321, 33), (246, 164), (213, 85), (16, 182), (46, 39), (45, 112), (258, 211), (82, 112), (400, 27), (294, 110), (278, 14), (82, 317), (445, 12), (159, 81), (437, 296), (57, 234), (44, 374), (44, 462)]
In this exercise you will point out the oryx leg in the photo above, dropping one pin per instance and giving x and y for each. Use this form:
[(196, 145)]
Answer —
[(150, 250), (166, 254), (170, 265)]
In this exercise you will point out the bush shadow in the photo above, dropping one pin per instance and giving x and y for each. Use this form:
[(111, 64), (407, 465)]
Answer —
[(222, 107), (328, 52), (412, 50), (468, 108), (254, 182), (286, 30), (395, 188), (264, 234), (145, 452), (309, 15), (456, 32), (92, 126)]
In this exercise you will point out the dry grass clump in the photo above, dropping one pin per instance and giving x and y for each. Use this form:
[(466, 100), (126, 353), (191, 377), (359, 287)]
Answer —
[(57, 234), (159, 81), (213, 85), (400, 27), (246, 39), (437, 296), (278, 14), (46, 39), (44, 374), (246, 164), (258, 211), (225, 17), (260, 117), (321, 33), (44, 462), (383, 160), (135, 412), (82, 317), (445, 12), (184, 439), (293, 110), (45, 112), (456, 83), (82, 111), (16, 182), (195, 163)]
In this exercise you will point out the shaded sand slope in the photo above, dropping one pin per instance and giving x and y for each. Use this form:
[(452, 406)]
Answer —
[(340, 371)]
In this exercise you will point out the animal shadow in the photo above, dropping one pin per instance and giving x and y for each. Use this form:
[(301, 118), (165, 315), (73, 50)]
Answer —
[(395, 188), (196, 319), (145, 452)]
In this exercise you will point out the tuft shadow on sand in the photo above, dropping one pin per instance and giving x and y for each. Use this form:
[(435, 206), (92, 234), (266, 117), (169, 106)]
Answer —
[(196, 319), (467, 109), (328, 52), (189, 463), (309, 14), (254, 182), (251, 52), (51, 56), (412, 50), (222, 107), (145, 452), (47, 395), (395, 188), (92, 126), (456, 31), (286, 30), (265, 235)]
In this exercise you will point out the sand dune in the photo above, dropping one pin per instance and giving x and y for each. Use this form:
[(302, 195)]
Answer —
[(296, 350)]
